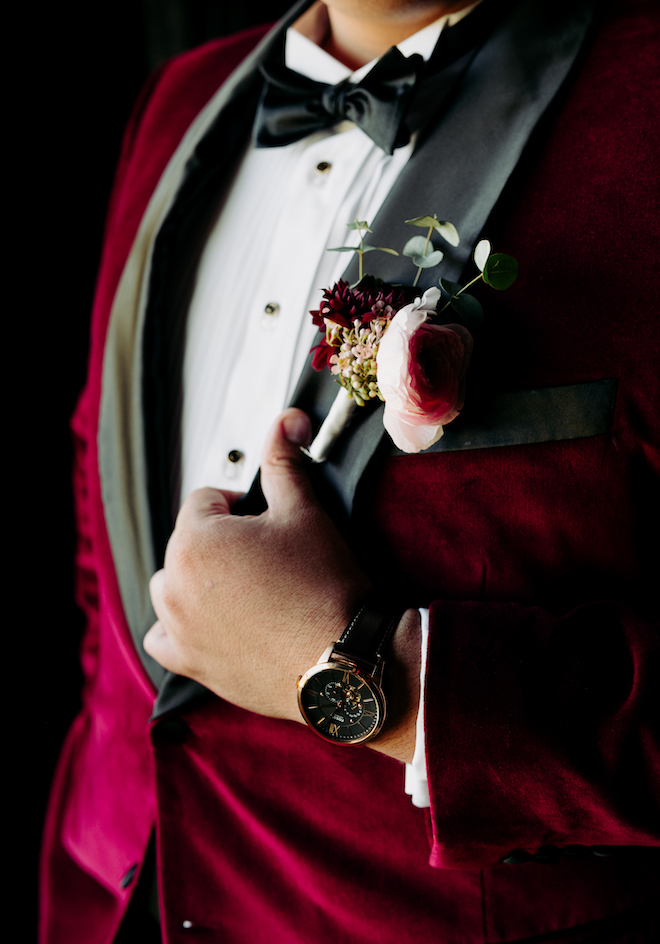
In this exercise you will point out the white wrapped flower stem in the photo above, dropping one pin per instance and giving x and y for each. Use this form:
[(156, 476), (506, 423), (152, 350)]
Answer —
[(332, 427)]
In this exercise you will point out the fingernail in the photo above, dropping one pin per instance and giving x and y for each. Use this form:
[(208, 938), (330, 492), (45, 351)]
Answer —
[(297, 429)]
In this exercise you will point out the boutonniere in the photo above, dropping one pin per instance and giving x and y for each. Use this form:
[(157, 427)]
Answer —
[(389, 343)]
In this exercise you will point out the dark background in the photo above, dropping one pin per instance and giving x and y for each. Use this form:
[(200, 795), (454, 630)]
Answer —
[(75, 81)]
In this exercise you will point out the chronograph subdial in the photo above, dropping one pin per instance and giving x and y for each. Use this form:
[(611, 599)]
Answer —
[(352, 704), (334, 692)]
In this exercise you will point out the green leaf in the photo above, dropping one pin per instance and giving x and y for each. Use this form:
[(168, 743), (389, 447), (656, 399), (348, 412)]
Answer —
[(417, 246), (469, 310), (447, 230), (481, 254), (392, 252), (500, 271), (427, 262), (360, 224), (451, 288), (344, 249), (424, 221)]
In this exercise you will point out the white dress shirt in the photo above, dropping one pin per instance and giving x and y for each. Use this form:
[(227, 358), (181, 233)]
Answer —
[(263, 269)]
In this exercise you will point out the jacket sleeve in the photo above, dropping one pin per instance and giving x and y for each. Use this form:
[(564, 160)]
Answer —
[(541, 732)]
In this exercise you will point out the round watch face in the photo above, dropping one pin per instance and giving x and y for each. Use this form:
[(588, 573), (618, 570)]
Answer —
[(340, 704)]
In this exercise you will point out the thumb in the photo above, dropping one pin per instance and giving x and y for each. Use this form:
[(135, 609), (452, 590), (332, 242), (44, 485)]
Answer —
[(284, 479)]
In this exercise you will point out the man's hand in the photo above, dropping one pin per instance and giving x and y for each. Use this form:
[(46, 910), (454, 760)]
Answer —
[(245, 605)]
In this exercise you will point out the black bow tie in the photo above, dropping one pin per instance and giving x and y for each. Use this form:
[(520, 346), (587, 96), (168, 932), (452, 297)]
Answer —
[(397, 97), (293, 106)]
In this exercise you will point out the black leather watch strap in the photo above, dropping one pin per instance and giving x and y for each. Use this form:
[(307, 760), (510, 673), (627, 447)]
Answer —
[(367, 634)]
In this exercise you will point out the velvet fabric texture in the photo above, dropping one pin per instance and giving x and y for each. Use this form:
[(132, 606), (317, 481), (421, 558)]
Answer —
[(536, 561)]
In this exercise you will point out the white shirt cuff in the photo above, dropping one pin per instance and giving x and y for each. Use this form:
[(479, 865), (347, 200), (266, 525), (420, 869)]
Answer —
[(416, 784)]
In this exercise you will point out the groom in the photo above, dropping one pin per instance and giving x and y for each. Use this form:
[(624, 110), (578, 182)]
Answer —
[(519, 662)]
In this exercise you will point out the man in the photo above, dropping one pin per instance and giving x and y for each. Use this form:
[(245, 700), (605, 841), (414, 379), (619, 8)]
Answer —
[(516, 548)]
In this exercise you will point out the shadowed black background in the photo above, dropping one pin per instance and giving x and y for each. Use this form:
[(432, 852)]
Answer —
[(76, 79)]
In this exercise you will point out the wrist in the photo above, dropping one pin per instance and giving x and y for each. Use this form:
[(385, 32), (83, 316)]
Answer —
[(364, 690), (402, 683)]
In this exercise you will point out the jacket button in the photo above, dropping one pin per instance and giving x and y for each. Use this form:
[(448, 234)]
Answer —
[(517, 857), (172, 730)]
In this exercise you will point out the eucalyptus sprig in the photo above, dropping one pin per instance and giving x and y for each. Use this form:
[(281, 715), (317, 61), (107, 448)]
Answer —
[(495, 269), (420, 248), (363, 227)]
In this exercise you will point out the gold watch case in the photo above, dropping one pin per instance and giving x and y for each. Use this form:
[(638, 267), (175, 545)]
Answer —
[(342, 701)]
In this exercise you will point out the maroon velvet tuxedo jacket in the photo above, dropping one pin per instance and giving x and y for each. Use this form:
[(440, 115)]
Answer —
[(534, 553)]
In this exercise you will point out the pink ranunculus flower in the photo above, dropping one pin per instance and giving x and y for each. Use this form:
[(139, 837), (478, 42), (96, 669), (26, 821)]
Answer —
[(421, 374)]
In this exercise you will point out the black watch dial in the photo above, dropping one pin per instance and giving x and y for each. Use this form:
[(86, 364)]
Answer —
[(340, 704)]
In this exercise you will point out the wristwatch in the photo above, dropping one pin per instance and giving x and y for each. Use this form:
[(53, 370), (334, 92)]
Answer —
[(341, 697)]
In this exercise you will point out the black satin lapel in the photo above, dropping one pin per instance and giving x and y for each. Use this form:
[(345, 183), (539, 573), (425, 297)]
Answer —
[(452, 56), (459, 171)]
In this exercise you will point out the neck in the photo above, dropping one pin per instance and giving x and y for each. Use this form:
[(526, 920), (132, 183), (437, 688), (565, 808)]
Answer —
[(357, 31)]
